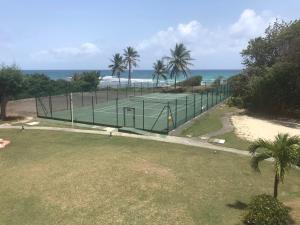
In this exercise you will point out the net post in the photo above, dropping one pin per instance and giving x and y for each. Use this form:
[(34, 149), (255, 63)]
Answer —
[(194, 105), (186, 111), (107, 93), (175, 112), (117, 111), (143, 114), (93, 109)]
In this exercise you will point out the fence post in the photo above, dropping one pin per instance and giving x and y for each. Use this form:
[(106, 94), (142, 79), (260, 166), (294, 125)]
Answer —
[(186, 110), (71, 113), (126, 90), (117, 111), (81, 98), (107, 93), (175, 112), (212, 97), (201, 101), (194, 105), (93, 109), (133, 89), (206, 99), (36, 106), (50, 105), (143, 114), (67, 100), (168, 115), (220, 93), (141, 88)]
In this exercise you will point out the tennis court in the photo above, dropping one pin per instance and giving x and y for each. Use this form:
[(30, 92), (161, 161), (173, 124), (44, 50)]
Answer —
[(155, 112)]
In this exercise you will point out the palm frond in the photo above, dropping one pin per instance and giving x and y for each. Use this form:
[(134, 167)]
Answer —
[(256, 159)]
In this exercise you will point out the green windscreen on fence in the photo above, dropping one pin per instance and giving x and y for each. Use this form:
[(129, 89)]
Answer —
[(140, 107)]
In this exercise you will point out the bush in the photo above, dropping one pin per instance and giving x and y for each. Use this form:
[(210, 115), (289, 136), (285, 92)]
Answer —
[(235, 101), (266, 210), (192, 81)]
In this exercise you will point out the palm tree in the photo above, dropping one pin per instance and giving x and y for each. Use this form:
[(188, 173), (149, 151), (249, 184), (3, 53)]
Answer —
[(117, 66), (160, 70), (131, 57), (283, 150), (179, 61)]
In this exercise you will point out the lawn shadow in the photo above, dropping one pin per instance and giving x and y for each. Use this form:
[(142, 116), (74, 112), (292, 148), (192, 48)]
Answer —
[(238, 205)]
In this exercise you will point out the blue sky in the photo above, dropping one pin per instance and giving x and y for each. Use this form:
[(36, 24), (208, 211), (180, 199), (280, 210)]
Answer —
[(63, 34)]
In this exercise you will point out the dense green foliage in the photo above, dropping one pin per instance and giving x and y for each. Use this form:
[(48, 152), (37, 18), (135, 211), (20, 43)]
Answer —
[(15, 85), (11, 82), (271, 80), (192, 81), (266, 210)]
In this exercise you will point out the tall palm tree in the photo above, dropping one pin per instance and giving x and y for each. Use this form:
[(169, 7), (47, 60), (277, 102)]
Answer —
[(117, 66), (179, 61), (131, 57), (284, 151), (160, 70)]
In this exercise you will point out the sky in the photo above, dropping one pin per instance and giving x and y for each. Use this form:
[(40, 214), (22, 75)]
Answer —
[(73, 34)]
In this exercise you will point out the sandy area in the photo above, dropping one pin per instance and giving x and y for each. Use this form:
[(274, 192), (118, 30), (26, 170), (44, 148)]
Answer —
[(251, 128)]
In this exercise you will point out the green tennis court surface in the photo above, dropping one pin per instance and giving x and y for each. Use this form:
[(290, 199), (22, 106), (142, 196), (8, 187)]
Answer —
[(156, 112)]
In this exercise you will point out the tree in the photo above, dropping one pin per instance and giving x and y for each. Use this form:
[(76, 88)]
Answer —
[(179, 62), (117, 66), (38, 85), (131, 57), (85, 81), (160, 71), (284, 151), (11, 82)]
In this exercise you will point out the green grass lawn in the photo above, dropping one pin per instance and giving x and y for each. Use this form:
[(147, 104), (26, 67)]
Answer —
[(66, 178), (209, 122), (233, 141)]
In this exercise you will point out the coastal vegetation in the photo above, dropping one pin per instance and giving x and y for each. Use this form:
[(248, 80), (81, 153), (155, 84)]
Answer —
[(160, 70), (117, 66), (270, 81)]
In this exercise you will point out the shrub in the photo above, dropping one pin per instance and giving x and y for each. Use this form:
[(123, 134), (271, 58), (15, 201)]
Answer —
[(235, 101), (192, 81), (266, 210)]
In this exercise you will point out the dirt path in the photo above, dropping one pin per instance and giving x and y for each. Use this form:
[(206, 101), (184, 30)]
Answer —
[(226, 126)]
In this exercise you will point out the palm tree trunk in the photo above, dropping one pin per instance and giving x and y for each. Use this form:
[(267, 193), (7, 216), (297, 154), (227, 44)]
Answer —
[(129, 74), (276, 182)]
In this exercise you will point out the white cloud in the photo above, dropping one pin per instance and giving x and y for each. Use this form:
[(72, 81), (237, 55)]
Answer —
[(84, 50), (250, 24), (207, 43)]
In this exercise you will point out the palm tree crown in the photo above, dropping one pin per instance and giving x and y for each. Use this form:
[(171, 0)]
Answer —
[(131, 57), (179, 61), (160, 70), (117, 66), (284, 151)]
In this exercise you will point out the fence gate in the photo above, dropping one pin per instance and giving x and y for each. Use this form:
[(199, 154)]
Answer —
[(129, 117)]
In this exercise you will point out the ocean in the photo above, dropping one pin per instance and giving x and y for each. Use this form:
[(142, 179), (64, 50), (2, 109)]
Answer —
[(137, 75)]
